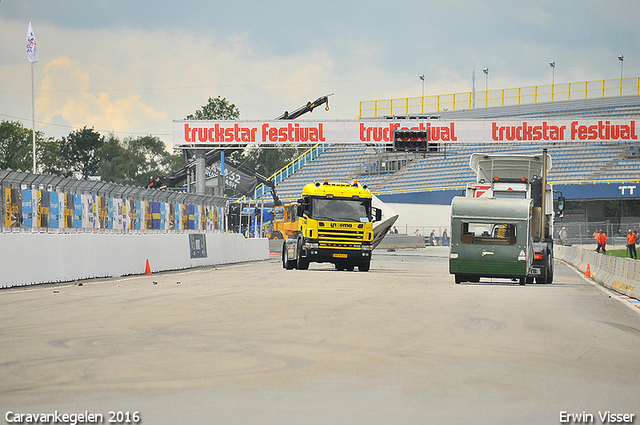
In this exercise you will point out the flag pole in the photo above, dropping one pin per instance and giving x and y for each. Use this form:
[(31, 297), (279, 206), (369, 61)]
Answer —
[(33, 120)]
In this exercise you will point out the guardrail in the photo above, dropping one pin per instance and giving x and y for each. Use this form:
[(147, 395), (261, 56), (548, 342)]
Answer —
[(619, 274), (52, 204), (500, 97)]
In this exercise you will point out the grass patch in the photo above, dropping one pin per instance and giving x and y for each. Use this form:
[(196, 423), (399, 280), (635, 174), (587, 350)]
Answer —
[(622, 253)]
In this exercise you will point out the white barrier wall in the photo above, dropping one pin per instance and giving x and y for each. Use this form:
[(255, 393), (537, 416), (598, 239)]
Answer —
[(619, 274), (29, 258)]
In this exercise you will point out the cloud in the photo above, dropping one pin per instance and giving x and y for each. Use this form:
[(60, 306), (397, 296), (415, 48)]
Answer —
[(115, 72), (66, 92)]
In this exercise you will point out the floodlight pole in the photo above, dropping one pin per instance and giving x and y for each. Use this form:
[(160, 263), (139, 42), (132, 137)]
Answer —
[(33, 120)]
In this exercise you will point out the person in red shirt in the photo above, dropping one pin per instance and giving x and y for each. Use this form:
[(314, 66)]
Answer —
[(602, 241), (631, 244)]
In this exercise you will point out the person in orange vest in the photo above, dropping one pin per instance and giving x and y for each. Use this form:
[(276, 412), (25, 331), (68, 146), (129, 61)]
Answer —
[(631, 244), (602, 241)]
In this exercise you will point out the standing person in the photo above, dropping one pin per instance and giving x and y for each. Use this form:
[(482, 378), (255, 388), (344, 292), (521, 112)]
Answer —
[(445, 237), (563, 236), (631, 244), (602, 241), (432, 237)]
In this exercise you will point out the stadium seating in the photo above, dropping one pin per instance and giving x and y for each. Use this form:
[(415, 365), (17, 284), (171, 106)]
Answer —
[(451, 168)]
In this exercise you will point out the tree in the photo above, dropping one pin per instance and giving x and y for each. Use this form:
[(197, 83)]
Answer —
[(79, 153), (267, 161), (216, 109), (16, 146), (135, 160)]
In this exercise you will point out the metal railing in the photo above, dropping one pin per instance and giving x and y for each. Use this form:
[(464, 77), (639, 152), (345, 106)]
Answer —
[(52, 204), (279, 176), (500, 97)]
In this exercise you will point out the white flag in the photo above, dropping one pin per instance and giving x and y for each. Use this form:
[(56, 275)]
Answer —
[(32, 48)]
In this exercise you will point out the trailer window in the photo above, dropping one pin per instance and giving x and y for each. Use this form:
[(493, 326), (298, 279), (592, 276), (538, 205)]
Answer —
[(489, 233)]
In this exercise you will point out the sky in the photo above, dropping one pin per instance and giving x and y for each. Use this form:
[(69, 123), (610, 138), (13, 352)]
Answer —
[(132, 67)]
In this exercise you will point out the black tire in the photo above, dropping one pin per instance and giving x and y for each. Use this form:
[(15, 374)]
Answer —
[(276, 235), (458, 278), (522, 280), (303, 263), (364, 267), (286, 262), (547, 278), (350, 267)]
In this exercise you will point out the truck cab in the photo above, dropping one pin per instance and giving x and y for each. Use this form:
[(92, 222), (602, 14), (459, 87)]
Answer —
[(336, 226)]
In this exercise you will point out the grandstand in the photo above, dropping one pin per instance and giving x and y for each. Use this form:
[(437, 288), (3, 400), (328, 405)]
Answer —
[(399, 176)]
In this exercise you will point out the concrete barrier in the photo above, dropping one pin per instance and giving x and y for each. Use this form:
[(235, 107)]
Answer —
[(401, 241), (32, 258), (619, 274)]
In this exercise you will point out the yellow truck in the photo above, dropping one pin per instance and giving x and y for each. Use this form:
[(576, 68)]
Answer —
[(336, 226), (285, 222)]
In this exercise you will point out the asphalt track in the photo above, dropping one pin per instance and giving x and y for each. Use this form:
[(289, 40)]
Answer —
[(256, 344)]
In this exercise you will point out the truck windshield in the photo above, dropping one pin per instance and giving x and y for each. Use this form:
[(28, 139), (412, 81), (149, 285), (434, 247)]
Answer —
[(335, 209)]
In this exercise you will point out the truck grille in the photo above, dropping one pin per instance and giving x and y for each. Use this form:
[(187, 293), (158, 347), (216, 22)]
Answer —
[(345, 239)]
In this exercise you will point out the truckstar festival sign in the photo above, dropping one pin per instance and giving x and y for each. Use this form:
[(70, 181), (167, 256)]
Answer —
[(207, 134)]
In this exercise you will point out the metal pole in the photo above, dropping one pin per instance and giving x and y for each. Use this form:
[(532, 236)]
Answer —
[(200, 174), (543, 215), (33, 120), (221, 177)]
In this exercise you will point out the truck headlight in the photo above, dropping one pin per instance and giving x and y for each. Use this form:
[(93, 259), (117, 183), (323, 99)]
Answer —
[(312, 245), (366, 247)]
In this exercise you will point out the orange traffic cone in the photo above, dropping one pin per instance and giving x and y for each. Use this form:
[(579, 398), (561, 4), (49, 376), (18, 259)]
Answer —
[(147, 270), (588, 273)]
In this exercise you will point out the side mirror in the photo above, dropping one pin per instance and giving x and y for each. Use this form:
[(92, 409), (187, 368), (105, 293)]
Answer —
[(378, 214), (300, 210), (561, 203)]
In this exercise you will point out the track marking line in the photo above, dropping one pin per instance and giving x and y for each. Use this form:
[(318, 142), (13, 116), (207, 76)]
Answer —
[(629, 302)]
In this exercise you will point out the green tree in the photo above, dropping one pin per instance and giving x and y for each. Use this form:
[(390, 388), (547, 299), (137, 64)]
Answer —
[(267, 161), (16, 146), (115, 162), (79, 153), (216, 109), (135, 160)]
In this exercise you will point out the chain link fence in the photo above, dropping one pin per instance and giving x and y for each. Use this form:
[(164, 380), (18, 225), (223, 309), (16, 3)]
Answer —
[(583, 233)]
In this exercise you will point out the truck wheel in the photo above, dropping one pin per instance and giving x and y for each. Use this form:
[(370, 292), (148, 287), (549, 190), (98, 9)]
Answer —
[(286, 263), (522, 280), (364, 267), (276, 235), (350, 267), (547, 278), (303, 263), (458, 279)]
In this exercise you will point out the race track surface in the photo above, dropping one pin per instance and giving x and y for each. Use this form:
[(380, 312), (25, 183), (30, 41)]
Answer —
[(256, 344)]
